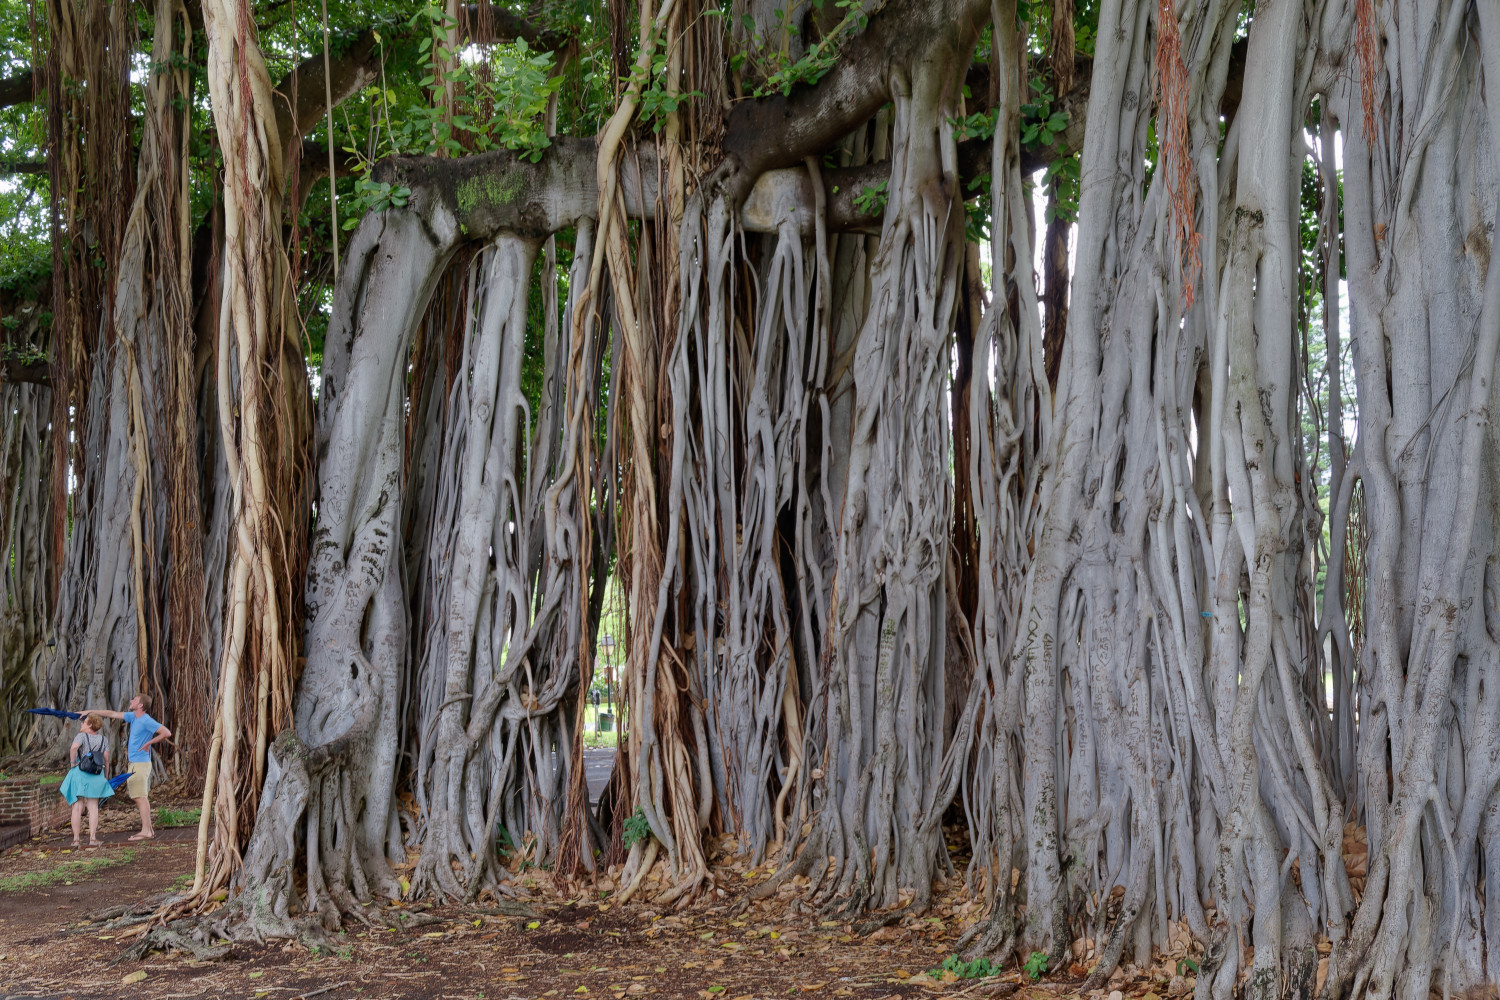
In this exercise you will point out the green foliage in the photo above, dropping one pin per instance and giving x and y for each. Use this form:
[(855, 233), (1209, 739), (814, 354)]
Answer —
[(372, 197), (534, 360), (500, 102), (977, 210), (637, 829), (1035, 964), (26, 354), (976, 126), (871, 199), (1034, 17), (773, 63), (1063, 172), (1041, 124), (506, 98), (980, 968), (657, 104), (27, 268), (24, 226)]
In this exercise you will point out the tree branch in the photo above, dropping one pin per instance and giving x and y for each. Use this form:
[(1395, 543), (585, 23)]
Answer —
[(16, 370), (13, 167), (313, 167), (506, 26), (350, 72), (780, 131), (500, 192), (21, 87)]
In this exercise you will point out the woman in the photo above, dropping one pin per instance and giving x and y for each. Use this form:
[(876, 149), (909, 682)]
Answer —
[(90, 749)]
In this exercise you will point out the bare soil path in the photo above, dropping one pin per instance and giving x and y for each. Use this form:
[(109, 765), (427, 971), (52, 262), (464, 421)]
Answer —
[(578, 949)]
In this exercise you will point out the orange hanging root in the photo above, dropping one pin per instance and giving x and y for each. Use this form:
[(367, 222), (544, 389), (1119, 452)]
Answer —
[(1172, 138), (1367, 55)]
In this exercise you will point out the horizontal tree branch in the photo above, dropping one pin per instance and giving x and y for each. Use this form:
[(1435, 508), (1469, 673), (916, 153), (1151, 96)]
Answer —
[(499, 192), (21, 87), (35, 372), (23, 167), (507, 26), (780, 131)]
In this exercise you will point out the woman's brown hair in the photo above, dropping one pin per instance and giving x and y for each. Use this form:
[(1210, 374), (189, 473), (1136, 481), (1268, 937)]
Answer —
[(94, 721)]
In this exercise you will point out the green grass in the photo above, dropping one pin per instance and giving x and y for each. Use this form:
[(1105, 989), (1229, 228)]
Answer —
[(50, 779), (65, 873), (591, 735), (598, 740), (178, 817)]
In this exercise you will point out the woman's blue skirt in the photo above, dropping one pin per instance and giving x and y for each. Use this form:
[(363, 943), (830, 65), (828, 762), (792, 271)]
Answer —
[(78, 785)]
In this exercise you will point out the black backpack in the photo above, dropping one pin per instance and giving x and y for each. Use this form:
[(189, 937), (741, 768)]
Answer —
[(91, 761)]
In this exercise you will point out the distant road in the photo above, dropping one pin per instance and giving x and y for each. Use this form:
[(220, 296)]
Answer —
[(597, 765)]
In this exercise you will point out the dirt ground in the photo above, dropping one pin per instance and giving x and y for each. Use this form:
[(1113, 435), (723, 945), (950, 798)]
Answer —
[(580, 948)]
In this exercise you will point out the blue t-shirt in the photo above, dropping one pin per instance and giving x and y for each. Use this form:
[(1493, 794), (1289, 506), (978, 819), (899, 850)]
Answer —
[(142, 728)]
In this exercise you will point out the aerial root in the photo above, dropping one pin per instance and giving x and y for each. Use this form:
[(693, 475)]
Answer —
[(995, 937), (811, 852), (183, 935), (857, 902), (647, 861), (885, 919)]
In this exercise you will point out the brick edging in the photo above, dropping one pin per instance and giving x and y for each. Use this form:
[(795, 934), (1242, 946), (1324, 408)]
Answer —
[(27, 801)]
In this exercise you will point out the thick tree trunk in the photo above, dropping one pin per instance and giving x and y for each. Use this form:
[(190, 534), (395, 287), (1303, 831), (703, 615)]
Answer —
[(888, 617), (1425, 324), (28, 577)]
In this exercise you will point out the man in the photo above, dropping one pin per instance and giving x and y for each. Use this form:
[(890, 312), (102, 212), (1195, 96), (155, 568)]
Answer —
[(144, 732)]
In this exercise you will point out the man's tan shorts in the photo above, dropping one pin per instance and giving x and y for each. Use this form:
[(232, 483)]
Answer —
[(140, 779)]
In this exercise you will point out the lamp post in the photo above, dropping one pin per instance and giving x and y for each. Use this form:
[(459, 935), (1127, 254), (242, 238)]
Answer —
[(609, 671)]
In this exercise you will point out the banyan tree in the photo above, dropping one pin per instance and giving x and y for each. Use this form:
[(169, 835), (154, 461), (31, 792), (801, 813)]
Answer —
[(1066, 426)]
